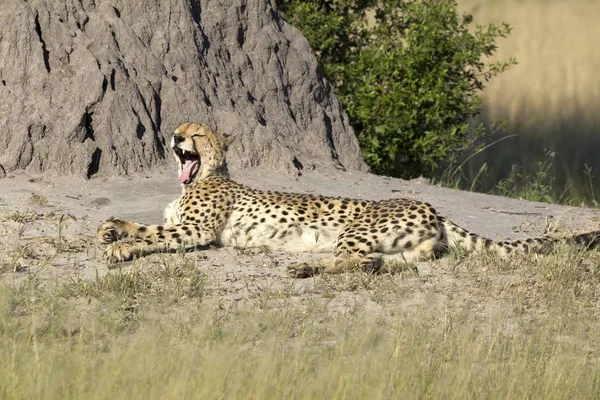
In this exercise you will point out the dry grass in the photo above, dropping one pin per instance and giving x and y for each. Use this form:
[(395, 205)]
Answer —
[(482, 328), (38, 200), (173, 326), (552, 96)]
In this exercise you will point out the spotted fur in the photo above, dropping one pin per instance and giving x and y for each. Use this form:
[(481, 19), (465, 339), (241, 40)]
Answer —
[(365, 234)]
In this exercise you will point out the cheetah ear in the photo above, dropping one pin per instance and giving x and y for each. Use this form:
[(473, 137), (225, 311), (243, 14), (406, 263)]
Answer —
[(226, 140)]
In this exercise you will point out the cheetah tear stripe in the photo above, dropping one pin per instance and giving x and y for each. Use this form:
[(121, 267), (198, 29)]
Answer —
[(187, 171)]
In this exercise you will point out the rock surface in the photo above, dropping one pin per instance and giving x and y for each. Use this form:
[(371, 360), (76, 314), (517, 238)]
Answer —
[(96, 87)]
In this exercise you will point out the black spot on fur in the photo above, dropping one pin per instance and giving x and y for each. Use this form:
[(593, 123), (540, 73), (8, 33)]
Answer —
[(398, 239)]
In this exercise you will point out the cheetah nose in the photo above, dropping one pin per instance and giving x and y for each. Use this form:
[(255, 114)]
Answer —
[(178, 139)]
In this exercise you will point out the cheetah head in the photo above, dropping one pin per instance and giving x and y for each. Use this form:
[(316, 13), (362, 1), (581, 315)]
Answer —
[(197, 151)]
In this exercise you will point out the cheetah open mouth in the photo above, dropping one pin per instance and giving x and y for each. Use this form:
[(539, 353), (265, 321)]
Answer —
[(188, 165)]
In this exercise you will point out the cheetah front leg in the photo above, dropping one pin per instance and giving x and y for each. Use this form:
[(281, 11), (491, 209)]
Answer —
[(117, 229), (163, 240)]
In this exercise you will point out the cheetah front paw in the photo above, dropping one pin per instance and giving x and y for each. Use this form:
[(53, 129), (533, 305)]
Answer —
[(111, 231), (302, 270), (118, 252)]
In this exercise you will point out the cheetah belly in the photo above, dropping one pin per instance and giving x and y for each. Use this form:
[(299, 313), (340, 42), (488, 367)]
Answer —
[(241, 231)]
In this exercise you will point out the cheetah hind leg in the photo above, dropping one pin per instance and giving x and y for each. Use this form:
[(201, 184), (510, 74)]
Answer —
[(372, 263), (402, 260)]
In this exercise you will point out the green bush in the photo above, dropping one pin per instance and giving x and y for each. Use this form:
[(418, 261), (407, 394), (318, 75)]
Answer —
[(408, 73)]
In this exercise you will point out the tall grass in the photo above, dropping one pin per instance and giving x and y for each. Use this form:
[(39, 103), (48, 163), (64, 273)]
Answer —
[(550, 99), (528, 328), (539, 185)]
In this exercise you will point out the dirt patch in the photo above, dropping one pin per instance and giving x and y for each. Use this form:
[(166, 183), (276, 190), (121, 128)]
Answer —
[(47, 228)]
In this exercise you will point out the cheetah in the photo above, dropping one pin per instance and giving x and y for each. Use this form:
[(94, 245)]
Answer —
[(364, 234)]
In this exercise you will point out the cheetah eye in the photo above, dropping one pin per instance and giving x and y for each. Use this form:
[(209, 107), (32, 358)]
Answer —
[(198, 135)]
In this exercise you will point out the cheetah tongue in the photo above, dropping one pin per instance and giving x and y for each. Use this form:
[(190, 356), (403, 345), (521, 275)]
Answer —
[(188, 170)]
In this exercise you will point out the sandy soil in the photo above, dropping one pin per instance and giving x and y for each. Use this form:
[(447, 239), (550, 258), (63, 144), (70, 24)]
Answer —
[(47, 227)]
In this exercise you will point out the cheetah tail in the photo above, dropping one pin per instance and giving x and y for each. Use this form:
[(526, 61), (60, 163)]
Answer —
[(455, 236), (588, 240)]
